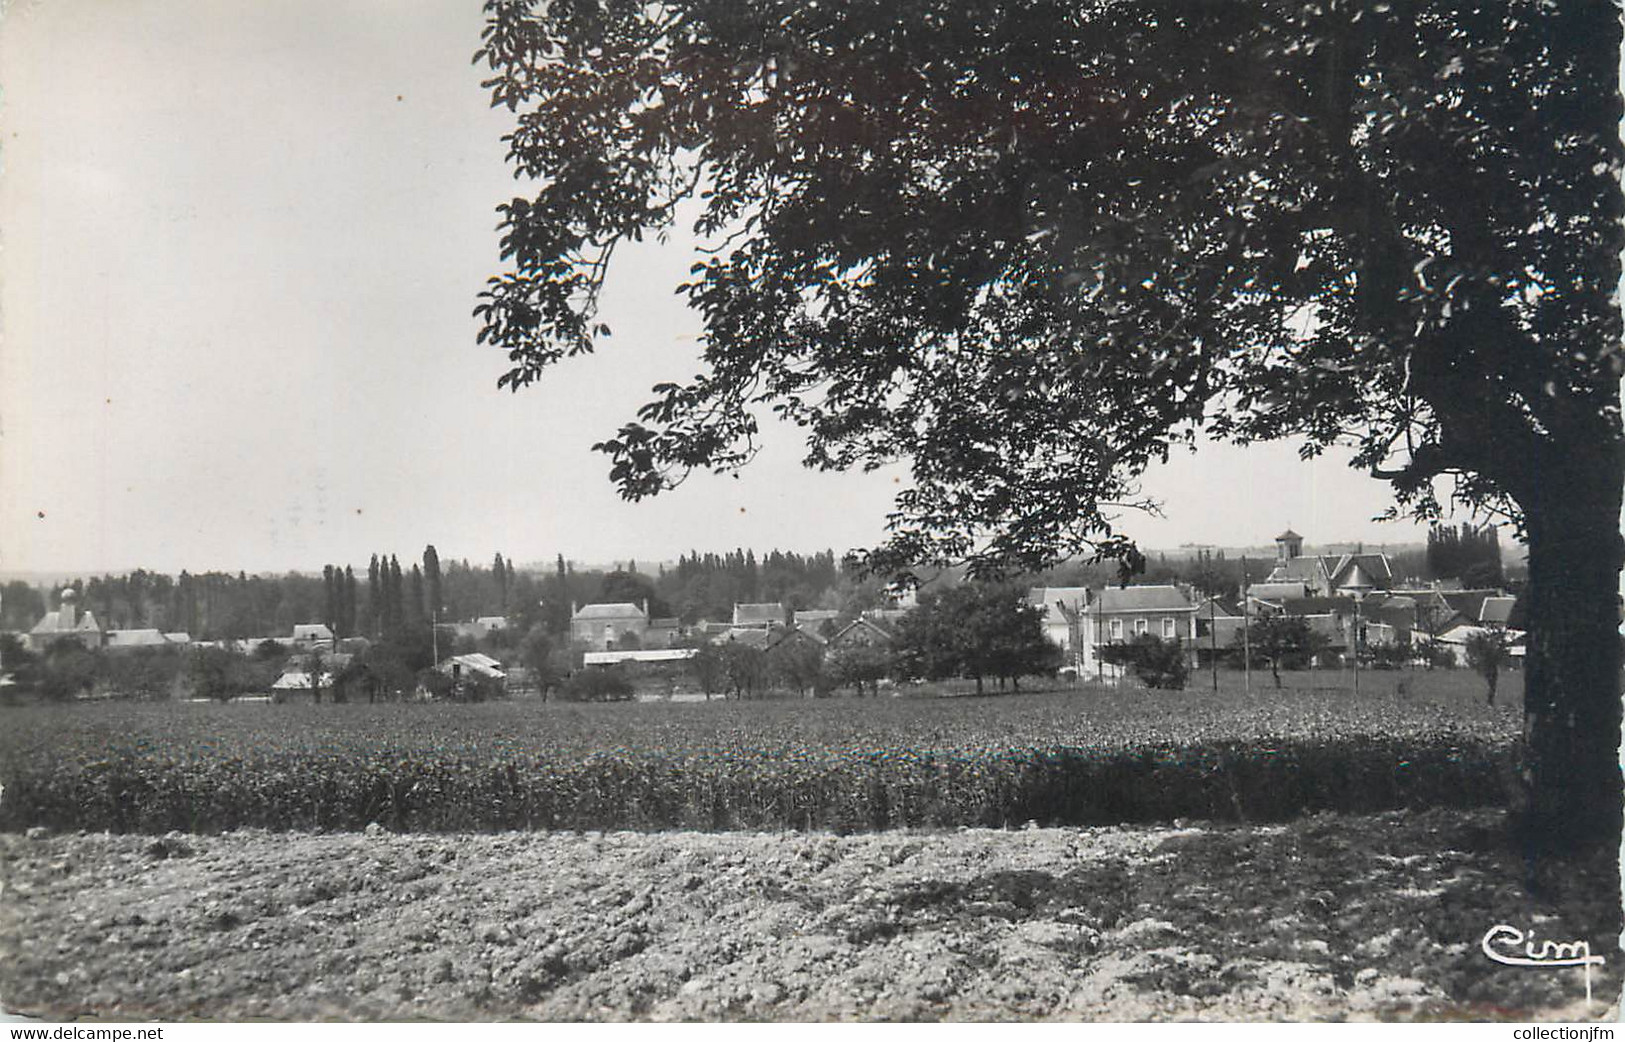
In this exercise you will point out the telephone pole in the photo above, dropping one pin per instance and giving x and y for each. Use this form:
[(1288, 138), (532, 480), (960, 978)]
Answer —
[(1246, 638)]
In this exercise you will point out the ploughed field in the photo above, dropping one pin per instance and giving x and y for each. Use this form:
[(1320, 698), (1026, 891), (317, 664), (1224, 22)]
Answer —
[(1331, 916), (1084, 756)]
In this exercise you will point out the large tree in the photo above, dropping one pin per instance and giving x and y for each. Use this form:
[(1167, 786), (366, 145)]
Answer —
[(975, 630), (1033, 248), (431, 576)]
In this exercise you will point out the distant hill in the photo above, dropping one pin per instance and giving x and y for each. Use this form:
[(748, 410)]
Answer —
[(1186, 550), (44, 578)]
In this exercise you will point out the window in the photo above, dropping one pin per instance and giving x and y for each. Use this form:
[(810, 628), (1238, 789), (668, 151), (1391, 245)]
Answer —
[(1117, 629), (1167, 629), (1142, 626)]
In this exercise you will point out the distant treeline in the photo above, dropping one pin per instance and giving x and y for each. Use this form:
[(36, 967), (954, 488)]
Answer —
[(391, 596), (220, 605)]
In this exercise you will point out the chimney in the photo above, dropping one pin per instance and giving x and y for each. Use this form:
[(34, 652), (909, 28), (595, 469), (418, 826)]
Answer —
[(67, 616)]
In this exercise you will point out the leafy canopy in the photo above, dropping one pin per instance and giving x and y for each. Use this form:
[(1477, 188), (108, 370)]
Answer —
[(1032, 248)]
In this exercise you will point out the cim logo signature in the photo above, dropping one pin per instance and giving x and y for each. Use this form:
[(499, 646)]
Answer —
[(1502, 943)]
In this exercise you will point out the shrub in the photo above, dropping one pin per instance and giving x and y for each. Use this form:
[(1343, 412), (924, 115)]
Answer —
[(859, 666), (1388, 655), (149, 674), (270, 651), (1156, 662), (1284, 642), (1488, 652), (596, 684)]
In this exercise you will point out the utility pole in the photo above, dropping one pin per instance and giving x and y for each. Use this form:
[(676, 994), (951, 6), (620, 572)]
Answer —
[(1100, 668), (1357, 588), (1355, 642), (434, 633), (1246, 638), (1213, 636)]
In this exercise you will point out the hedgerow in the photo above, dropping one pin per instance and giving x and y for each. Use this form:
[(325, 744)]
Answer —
[(1051, 759)]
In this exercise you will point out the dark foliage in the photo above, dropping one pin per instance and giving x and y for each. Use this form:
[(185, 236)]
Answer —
[(814, 765), (1471, 554), (1281, 642), (597, 684), (1156, 662), (975, 630), (1034, 249)]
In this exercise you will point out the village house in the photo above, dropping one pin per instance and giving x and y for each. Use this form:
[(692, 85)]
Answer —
[(479, 628), (821, 621), (298, 680), (608, 626), (663, 632), (793, 638), (311, 635), (1082, 621), (759, 616), (1474, 612), (863, 632), (1062, 606), (1118, 614), (749, 636)]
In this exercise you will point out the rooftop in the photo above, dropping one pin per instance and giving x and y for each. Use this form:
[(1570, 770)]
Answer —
[(610, 610), (1144, 598)]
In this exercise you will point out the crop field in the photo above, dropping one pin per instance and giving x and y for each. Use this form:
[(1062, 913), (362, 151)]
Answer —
[(1082, 756)]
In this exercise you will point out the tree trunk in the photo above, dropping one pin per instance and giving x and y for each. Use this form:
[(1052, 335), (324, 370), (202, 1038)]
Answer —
[(1572, 661)]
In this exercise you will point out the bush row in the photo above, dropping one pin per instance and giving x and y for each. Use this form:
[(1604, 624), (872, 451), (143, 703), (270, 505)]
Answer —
[(141, 790)]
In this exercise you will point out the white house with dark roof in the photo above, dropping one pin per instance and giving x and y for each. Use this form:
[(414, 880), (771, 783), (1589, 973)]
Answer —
[(311, 634), (1122, 613), (1081, 621)]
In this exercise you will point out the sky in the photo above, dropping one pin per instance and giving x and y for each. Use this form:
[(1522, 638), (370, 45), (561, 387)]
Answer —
[(240, 245)]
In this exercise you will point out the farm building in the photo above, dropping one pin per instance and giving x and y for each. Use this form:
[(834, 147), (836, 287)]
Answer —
[(614, 658), (473, 666), (119, 639), (66, 623)]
